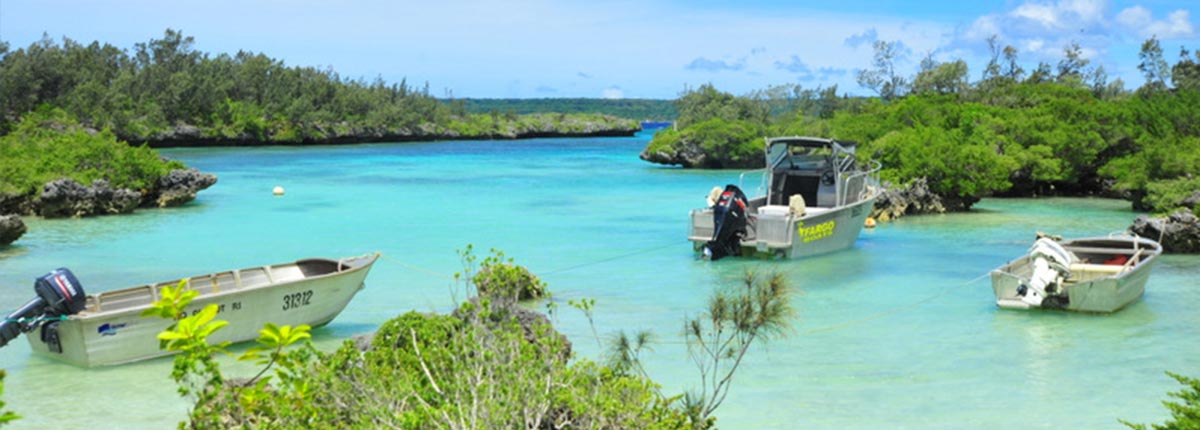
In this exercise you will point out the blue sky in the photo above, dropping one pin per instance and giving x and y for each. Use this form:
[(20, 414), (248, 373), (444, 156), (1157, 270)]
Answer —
[(637, 49)]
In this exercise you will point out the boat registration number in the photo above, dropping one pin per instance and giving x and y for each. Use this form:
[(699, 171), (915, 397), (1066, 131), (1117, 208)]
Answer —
[(298, 299)]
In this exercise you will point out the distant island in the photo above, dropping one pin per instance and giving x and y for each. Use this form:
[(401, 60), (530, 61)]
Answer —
[(644, 110), (164, 93)]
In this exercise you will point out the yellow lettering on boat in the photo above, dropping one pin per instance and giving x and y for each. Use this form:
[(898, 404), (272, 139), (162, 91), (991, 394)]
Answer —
[(816, 232)]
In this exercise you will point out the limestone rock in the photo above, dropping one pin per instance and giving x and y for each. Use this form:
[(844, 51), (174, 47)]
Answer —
[(67, 198), (1178, 232), (912, 199), (180, 186), (11, 229)]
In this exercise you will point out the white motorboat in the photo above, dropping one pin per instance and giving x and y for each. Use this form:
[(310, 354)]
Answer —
[(107, 328)]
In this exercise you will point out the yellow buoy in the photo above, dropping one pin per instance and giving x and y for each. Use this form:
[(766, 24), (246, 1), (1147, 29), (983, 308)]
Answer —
[(870, 223), (277, 191)]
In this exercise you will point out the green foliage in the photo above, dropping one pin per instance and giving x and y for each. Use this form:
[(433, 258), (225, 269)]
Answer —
[(941, 78), (198, 373), (49, 144), (1167, 196), (499, 278), (5, 416), (718, 340), (1052, 133), (739, 141), (1185, 414), (707, 103), (483, 367), (882, 77)]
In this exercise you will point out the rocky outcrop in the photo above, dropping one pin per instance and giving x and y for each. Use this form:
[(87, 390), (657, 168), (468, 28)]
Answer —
[(912, 199), (11, 229), (68, 198), (180, 186), (1178, 232), (916, 198), (688, 154)]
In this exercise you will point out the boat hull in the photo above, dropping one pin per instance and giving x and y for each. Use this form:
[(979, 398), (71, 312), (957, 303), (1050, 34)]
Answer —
[(104, 338), (1091, 288)]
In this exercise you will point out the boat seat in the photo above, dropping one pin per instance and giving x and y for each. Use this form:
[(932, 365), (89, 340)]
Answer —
[(1107, 269)]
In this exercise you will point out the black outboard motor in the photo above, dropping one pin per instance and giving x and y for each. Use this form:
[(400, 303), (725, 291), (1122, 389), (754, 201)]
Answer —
[(59, 294), (729, 224)]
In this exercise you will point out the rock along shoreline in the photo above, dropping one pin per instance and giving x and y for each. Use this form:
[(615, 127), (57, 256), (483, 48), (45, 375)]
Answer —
[(63, 198)]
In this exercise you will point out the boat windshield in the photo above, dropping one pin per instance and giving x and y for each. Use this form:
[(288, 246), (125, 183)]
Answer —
[(808, 157)]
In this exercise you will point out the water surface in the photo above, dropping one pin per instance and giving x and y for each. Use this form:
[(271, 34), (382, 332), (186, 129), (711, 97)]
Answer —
[(898, 332)]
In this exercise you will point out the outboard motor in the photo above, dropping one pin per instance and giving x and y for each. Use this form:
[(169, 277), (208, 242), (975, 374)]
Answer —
[(1051, 264), (59, 294), (729, 224)]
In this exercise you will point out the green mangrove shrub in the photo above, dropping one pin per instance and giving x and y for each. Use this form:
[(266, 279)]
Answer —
[(6, 417), (1185, 414), (49, 144)]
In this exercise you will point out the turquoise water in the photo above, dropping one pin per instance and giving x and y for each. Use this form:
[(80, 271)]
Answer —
[(891, 334)]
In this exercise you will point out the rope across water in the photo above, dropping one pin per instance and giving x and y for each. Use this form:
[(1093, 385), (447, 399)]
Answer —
[(828, 328)]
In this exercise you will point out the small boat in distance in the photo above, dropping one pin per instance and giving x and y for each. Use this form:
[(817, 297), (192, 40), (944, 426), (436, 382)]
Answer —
[(817, 197), (107, 328), (1095, 274)]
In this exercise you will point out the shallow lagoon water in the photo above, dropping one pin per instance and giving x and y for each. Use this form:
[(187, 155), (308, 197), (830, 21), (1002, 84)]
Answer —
[(899, 332)]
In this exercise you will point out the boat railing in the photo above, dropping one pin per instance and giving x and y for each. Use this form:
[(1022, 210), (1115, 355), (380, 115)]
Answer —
[(855, 184)]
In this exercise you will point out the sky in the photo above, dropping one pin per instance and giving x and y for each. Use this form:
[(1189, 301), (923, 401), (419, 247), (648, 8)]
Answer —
[(621, 49)]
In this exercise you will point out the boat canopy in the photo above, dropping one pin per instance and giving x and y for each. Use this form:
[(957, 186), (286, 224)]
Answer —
[(806, 150)]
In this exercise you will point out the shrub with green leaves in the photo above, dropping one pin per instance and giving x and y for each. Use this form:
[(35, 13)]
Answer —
[(49, 144), (502, 279), (5, 416), (487, 366), (1185, 414)]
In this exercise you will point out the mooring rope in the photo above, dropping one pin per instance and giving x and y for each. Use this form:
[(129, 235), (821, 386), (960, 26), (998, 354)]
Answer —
[(892, 311), (416, 268), (614, 258), (849, 323), (794, 267), (542, 273)]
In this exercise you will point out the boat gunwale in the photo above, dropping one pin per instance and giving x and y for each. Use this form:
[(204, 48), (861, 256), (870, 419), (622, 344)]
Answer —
[(85, 315)]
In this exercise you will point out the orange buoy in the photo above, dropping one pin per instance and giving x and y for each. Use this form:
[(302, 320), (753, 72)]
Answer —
[(870, 223)]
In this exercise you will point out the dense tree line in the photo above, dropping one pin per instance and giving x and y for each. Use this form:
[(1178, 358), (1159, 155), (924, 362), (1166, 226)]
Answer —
[(1054, 130), (165, 90), (635, 109)]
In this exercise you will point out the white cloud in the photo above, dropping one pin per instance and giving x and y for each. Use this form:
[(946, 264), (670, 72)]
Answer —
[(1042, 14), (1140, 21), (983, 28), (1134, 17), (613, 92), (1088, 11)]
